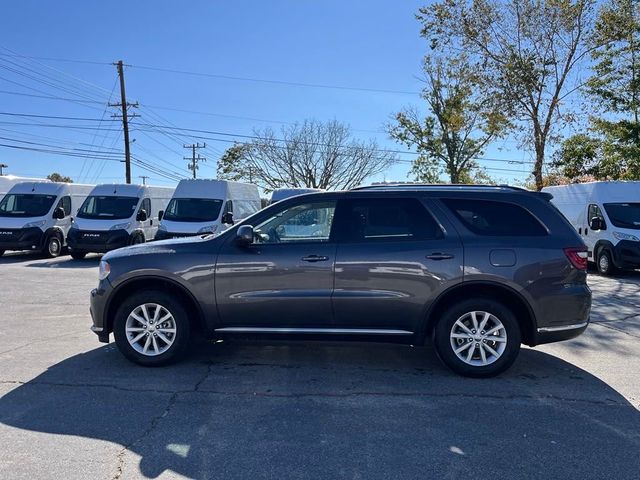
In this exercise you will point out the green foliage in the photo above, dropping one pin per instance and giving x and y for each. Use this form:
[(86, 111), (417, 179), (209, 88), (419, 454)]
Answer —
[(464, 116), (612, 151), (527, 48), (56, 177)]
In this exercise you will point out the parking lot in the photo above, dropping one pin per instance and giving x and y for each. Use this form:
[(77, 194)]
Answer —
[(74, 408)]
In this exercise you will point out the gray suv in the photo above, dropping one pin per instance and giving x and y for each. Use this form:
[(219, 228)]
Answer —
[(476, 270)]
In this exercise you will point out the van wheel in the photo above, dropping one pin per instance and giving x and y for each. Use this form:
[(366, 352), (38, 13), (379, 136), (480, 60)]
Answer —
[(137, 238), (478, 337), (77, 254), (1, 252), (53, 246), (151, 328), (605, 262)]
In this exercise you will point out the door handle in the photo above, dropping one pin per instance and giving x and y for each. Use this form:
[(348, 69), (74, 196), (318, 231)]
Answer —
[(440, 256), (315, 258)]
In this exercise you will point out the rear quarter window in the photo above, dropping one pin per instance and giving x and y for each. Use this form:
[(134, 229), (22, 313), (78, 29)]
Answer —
[(495, 218)]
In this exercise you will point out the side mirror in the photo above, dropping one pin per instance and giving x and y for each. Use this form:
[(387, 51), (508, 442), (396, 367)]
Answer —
[(227, 218), (244, 235), (597, 224), (160, 215), (142, 215), (58, 213)]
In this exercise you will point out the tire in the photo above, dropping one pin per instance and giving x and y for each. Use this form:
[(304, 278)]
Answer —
[(52, 246), (604, 262), (77, 254), (451, 334), (137, 239), (1, 253), (144, 351)]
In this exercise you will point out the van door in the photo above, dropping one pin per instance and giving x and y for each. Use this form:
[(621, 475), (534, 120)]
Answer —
[(590, 236), (147, 225)]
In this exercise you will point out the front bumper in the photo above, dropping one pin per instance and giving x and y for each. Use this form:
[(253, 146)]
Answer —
[(626, 254), (21, 238), (97, 309), (164, 235), (97, 241)]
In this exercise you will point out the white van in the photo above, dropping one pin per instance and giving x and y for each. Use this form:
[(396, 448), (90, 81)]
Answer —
[(607, 217), (282, 193), (37, 216), (117, 215), (8, 181), (207, 206)]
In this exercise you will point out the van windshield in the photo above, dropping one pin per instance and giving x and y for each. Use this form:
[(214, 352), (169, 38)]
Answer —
[(624, 215), (108, 207), (26, 205), (193, 210)]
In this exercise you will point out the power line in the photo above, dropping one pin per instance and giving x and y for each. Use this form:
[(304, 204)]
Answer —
[(54, 117)]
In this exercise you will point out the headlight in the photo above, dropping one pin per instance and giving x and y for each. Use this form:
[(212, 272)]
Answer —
[(121, 226), (37, 224), (625, 236), (208, 229), (103, 270), (162, 228)]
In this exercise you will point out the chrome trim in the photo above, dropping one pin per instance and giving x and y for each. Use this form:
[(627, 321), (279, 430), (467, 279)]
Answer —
[(96, 329), (364, 331), (561, 328)]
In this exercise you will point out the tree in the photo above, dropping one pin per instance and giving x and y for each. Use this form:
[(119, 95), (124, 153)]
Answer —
[(56, 177), (529, 48), (310, 154), (464, 118), (611, 149)]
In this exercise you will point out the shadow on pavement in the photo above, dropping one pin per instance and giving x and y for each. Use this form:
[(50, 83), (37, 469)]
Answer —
[(326, 410)]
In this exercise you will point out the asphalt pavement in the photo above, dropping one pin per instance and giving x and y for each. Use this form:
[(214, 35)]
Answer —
[(71, 407)]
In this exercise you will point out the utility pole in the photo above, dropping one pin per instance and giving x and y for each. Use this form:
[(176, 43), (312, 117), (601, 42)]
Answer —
[(195, 159), (3, 165), (125, 119), (144, 179)]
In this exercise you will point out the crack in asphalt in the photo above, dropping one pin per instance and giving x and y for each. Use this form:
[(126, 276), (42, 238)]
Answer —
[(196, 389), (156, 420), (605, 325)]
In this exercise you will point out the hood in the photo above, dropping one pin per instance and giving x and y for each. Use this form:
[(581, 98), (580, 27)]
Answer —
[(157, 247)]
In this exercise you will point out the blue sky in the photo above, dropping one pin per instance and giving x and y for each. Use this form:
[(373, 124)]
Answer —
[(371, 44)]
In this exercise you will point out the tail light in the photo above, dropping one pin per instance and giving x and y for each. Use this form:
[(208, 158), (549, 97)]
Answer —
[(577, 256)]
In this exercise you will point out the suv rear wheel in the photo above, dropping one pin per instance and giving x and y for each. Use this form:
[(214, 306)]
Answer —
[(151, 328), (478, 337)]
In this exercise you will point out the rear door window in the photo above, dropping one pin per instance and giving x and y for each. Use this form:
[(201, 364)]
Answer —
[(495, 218), (386, 219)]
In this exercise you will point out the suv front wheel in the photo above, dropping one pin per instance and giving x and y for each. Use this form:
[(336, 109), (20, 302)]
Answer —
[(478, 337), (151, 328)]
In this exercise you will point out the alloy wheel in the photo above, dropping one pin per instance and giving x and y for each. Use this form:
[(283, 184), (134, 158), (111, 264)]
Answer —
[(150, 329), (478, 338)]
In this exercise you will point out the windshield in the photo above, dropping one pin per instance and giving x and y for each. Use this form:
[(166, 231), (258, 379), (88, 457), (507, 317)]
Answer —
[(108, 207), (624, 215), (26, 205), (193, 210)]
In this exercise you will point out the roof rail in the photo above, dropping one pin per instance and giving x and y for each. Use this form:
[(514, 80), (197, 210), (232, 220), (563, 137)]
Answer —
[(410, 185)]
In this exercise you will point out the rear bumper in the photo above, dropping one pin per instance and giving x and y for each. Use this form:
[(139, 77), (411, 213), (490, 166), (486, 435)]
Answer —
[(97, 241), (560, 333), (563, 313), (21, 238)]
